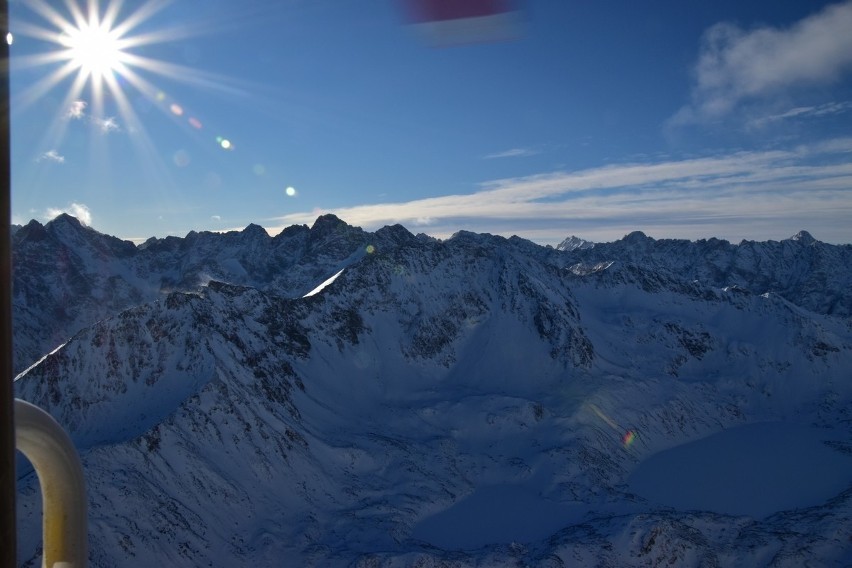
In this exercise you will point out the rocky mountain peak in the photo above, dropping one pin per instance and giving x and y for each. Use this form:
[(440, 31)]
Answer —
[(470, 238), (396, 235), (328, 223), (32, 232), (68, 231), (636, 237), (803, 237), (574, 243), (65, 219), (254, 231)]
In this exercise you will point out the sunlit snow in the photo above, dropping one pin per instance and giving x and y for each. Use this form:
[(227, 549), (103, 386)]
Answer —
[(28, 369), (325, 283)]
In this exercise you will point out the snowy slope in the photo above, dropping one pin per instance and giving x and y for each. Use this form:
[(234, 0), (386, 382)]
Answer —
[(478, 402)]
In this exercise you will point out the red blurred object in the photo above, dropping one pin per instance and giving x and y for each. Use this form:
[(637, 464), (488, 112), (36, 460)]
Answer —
[(442, 10), (453, 22)]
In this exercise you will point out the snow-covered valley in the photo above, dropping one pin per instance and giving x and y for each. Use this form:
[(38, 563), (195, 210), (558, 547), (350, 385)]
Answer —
[(755, 470), (474, 402)]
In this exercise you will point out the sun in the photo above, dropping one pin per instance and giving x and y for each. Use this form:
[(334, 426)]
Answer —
[(95, 44), (92, 45), (94, 49)]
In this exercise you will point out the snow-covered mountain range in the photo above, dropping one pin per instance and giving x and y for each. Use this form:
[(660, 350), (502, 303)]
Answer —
[(479, 401)]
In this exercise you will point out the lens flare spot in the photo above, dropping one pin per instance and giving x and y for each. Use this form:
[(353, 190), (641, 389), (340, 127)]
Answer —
[(290, 191), (594, 408), (10, 39), (258, 169), (181, 158), (161, 96), (176, 109), (195, 123), (628, 438), (225, 144), (370, 249)]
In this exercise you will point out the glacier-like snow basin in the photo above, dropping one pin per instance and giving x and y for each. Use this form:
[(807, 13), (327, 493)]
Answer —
[(753, 470), (497, 514)]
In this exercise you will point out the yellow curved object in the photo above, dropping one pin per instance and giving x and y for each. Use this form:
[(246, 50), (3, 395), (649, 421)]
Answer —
[(47, 446)]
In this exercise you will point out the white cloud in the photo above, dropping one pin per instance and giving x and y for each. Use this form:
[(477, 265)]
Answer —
[(78, 210), (726, 195), (106, 125), (215, 217), (513, 153), (51, 156), (826, 109), (76, 110), (735, 65)]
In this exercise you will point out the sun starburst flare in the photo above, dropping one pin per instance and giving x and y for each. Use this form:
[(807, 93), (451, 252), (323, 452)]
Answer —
[(92, 46), (94, 49)]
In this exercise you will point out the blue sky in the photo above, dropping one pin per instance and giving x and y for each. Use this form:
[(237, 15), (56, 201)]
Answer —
[(681, 119)]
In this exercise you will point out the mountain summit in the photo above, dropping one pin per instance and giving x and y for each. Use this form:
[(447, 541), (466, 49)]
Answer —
[(574, 243), (804, 237)]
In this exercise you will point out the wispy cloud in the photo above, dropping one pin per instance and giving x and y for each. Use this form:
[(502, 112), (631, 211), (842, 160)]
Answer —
[(803, 112), (734, 195), (51, 156), (735, 65), (513, 153), (106, 125), (78, 210), (215, 217), (76, 110)]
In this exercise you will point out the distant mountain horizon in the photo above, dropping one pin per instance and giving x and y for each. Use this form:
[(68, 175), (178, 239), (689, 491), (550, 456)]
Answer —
[(254, 226)]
